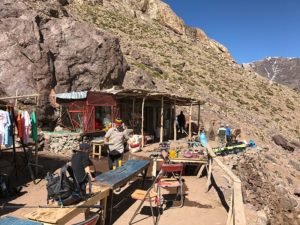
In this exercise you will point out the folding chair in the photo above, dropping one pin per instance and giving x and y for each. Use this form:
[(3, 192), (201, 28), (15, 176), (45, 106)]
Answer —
[(175, 181), (147, 195), (90, 221)]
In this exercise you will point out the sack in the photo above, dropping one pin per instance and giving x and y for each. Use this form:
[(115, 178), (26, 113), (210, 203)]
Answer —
[(62, 188), (4, 186)]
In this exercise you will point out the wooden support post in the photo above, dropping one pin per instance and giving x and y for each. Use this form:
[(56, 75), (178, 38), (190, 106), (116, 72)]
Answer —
[(199, 108), (190, 122), (175, 128), (162, 120), (230, 215), (210, 161), (142, 131), (238, 211), (133, 104), (36, 142)]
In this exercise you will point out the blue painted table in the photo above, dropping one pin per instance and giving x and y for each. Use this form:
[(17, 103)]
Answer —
[(121, 175), (10, 220)]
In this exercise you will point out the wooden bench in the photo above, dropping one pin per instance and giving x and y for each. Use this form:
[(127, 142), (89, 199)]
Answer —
[(61, 216)]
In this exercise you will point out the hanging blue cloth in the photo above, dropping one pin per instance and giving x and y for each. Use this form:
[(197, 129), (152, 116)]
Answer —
[(203, 139), (8, 131)]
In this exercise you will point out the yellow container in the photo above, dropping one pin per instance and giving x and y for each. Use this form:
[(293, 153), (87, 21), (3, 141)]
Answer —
[(172, 154), (120, 163)]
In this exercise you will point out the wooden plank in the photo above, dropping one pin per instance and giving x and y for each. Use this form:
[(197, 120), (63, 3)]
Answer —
[(161, 138), (230, 215), (199, 118), (20, 96), (63, 215), (209, 174), (200, 170), (142, 131), (190, 122), (238, 209), (175, 128), (119, 176)]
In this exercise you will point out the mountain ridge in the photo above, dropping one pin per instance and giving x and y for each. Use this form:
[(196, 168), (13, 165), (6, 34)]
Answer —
[(283, 70)]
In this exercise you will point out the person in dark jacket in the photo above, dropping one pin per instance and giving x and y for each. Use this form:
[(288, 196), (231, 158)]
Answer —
[(181, 122), (80, 164)]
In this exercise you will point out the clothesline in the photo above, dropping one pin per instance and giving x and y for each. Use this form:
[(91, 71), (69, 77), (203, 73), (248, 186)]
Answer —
[(14, 106)]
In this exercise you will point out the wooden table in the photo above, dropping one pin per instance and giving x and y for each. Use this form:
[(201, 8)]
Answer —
[(120, 176), (202, 162), (61, 216)]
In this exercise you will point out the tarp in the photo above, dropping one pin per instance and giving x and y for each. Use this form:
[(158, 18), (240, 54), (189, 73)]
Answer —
[(72, 95)]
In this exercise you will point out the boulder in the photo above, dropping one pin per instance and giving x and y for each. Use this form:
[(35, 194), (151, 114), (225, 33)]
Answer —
[(281, 141), (40, 53)]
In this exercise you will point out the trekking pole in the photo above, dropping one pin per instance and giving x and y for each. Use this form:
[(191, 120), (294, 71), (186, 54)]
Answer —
[(50, 206)]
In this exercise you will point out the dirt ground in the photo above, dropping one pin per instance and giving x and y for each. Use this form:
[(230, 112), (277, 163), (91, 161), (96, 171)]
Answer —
[(200, 207)]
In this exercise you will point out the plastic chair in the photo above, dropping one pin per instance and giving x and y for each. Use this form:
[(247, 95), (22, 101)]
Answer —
[(175, 181), (147, 195), (90, 221)]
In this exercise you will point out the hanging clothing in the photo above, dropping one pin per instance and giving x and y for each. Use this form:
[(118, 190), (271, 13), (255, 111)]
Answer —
[(19, 125), (3, 121), (26, 125), (8, 131), (34, 132)]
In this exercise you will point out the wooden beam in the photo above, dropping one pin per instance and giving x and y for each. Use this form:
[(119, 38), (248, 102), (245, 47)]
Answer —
[(162, 120), (21, 96), (133, 104), (238, 205), (210, 162), (199, 118), (142, 131), (37, 141), (190, 122), (175, 128)]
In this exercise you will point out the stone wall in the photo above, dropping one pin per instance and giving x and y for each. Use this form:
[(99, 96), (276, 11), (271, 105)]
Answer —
[(62, 143)]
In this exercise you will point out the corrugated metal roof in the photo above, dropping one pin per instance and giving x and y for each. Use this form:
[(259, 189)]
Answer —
[(180, 100), (72, 95)]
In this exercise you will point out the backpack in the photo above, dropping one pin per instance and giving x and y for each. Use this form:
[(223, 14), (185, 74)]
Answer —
[(4, 186), (62, 188)]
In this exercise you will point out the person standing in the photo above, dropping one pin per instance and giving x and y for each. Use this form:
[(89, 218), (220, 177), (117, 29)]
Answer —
[(228, 134), (221, 135), (181, 122), (115, 138)]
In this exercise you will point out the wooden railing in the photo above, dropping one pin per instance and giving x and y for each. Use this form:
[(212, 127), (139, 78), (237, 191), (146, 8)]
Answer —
[(236, 213)]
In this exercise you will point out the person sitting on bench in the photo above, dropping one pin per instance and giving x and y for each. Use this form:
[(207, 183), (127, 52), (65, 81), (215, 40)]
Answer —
[(80, 164)]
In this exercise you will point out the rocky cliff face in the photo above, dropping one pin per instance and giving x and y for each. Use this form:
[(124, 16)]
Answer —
[(44, 49), (284, 71), (80, 45)]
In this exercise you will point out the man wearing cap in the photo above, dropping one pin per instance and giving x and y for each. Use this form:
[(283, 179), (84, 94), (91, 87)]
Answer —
[(80, 163), (115, 139)]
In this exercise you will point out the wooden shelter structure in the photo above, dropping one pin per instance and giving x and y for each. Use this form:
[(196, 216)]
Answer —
[(144, 111)]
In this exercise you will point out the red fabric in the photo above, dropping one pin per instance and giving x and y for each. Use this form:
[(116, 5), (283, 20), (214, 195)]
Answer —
[(19, 125), (134, 145), (98, 125)]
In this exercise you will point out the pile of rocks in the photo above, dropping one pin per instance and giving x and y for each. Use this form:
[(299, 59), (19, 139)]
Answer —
[(62, 143), (265, 191)]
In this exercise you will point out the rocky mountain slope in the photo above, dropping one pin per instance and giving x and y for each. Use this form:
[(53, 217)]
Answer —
[(284, 71), (80, 45)]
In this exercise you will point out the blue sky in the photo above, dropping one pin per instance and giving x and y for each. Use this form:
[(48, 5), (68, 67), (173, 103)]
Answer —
[(251, 30)]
